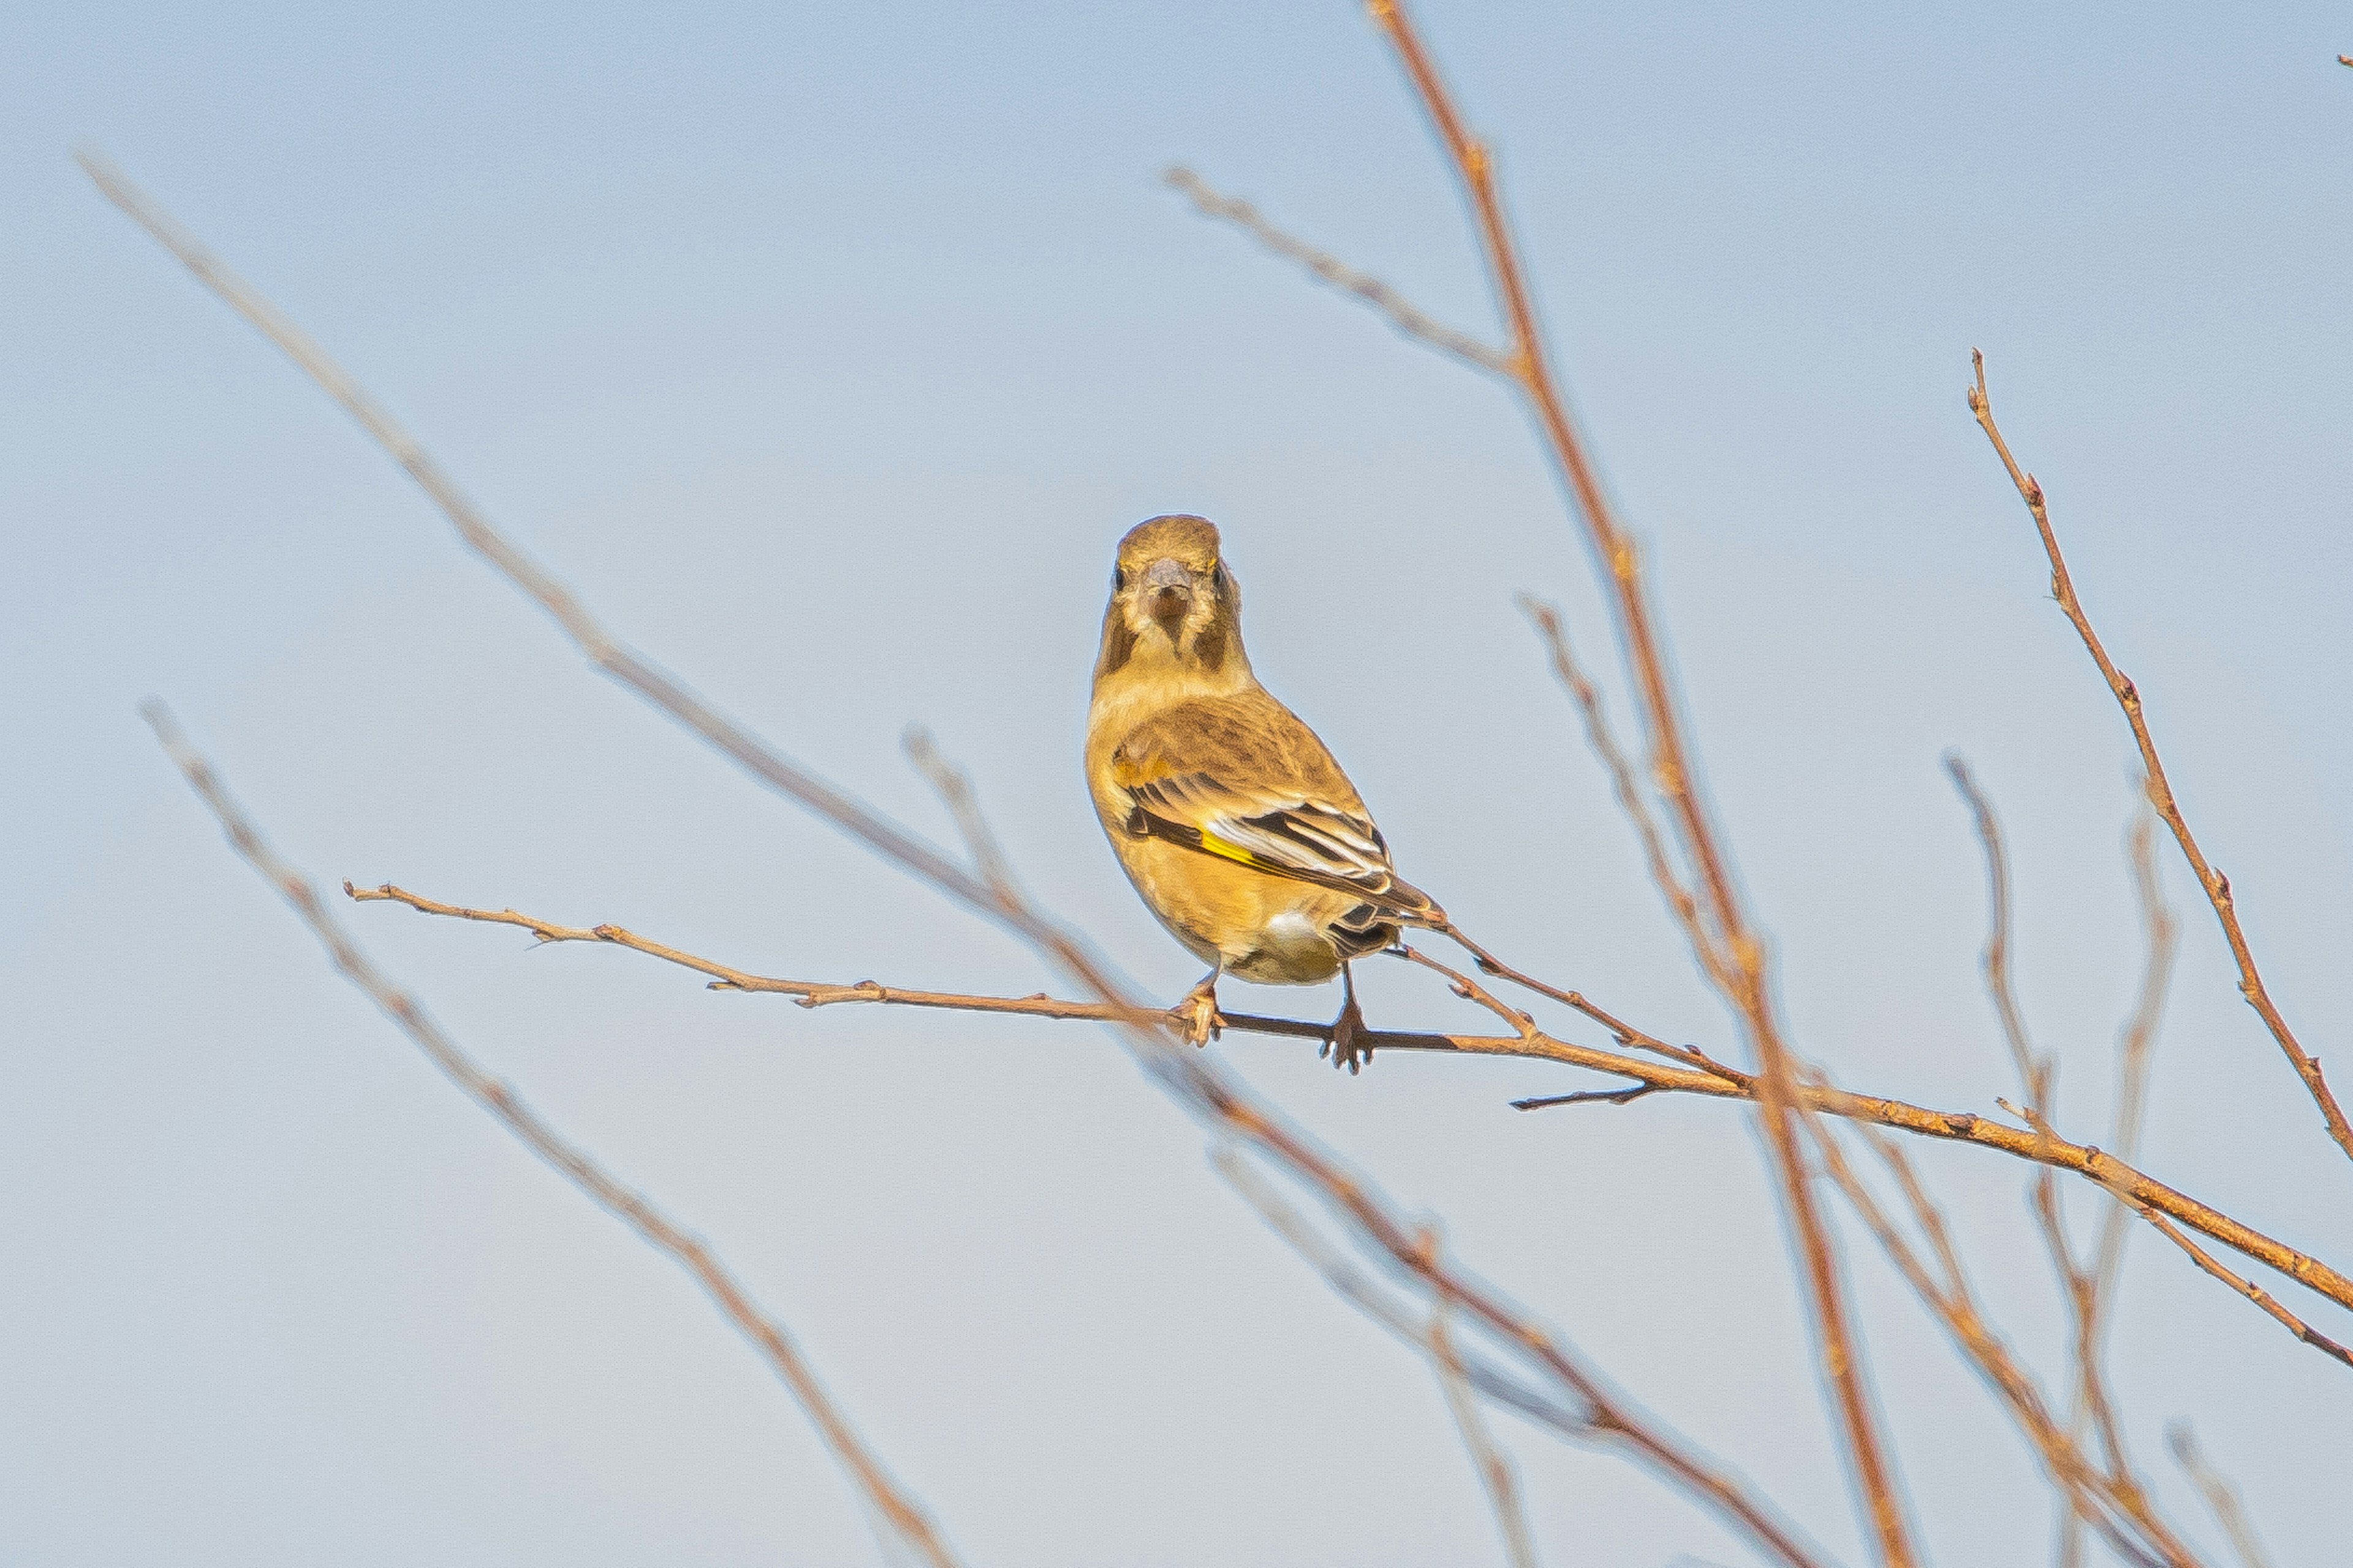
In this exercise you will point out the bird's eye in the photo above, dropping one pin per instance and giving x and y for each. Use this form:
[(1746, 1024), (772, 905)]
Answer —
[(1218, 577), (1118, 578)]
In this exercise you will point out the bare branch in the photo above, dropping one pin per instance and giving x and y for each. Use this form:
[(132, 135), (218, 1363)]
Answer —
[(2222, 1497), (1175, 1066), (1330, 269), (2216, 886), (1951, 1126), (903, 1514), (2252, 1291)]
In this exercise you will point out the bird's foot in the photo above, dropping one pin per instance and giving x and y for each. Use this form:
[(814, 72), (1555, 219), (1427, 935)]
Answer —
[(1351, 1044), (1197, 1014)]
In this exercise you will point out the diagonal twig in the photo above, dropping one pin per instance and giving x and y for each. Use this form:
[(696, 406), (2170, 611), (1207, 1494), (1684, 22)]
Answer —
[(2216, 886), (2222, 1497), (905, 1515), (1407, 320)]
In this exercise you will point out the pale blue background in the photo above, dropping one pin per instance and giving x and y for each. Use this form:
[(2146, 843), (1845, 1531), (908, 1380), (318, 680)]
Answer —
[(827, 352)]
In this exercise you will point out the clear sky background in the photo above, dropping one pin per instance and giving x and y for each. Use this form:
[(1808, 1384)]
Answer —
[(828, 350)]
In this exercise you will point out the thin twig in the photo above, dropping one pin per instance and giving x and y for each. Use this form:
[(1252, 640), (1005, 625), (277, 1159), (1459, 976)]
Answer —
[(1631, 801), (2244, 1286), (1496, 1476), (2034, 1071), (1185, 1073), (1745, 983), (956, 792), (1624, 1032), (1952, 1126), (1329, 269), (2222, 1497), (2037, 1073), (2136, 1052), (2216, 886), (767, 1336), (1588, 1097)]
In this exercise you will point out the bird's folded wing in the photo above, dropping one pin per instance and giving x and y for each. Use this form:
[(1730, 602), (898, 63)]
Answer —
[(1284, 833)]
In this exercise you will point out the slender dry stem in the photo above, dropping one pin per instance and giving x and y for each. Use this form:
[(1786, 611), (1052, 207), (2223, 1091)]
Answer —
[(1402, 314), (905, 1517), (2253, 1293), (2216, 886), (2222, 1497)]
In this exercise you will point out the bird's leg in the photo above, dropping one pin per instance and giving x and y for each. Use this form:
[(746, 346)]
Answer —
[(1198, 1012), (1350, 1046)]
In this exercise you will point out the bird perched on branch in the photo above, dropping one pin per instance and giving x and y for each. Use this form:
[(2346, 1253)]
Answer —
[(1229, 816)]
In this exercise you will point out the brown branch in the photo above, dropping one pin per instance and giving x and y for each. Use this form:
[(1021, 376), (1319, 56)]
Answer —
[(2216, 886), (1330, 269), (2244, 1286), (767, 1336), (1185, 1073), (1625, 1033), (2222, 1497), (1746, 985), (1950, 1126)]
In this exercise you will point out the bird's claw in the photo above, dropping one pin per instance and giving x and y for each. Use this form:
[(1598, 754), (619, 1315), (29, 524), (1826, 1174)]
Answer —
[(1350, 1044), (1197, 1015)]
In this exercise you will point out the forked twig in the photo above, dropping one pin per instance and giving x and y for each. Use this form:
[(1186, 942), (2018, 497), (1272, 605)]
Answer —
[(2216, 886), (905, 1515)]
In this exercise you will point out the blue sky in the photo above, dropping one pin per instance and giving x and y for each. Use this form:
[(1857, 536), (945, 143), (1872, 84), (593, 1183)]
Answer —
[(827, 353)]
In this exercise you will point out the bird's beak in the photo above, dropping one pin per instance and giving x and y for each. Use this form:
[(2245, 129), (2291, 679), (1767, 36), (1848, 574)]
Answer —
[(1167, 594)]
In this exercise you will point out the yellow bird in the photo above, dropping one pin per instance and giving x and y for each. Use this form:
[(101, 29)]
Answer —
[(1229, 816)]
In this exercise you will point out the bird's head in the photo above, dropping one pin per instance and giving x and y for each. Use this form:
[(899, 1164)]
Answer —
[(1174, 601)]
